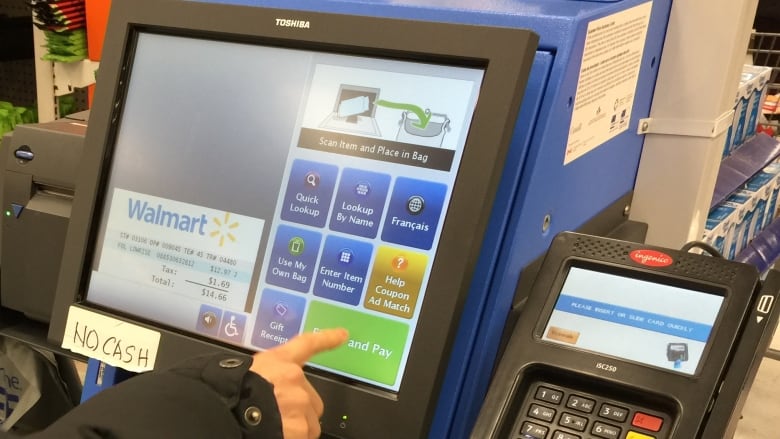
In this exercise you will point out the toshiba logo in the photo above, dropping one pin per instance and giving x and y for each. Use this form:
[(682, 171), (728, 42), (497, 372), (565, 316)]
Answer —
[(287, 22)]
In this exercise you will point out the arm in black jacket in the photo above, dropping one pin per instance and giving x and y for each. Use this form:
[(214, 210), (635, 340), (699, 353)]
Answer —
[(207, 397), (265, 396)]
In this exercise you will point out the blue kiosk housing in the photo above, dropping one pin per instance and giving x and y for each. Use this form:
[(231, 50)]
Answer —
[(548, 184), (539, 195)]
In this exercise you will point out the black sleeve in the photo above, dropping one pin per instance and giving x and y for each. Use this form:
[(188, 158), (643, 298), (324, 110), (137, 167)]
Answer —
[(206, 397)]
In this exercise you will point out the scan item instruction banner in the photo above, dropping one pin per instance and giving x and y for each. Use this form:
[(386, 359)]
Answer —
[(206, 254)]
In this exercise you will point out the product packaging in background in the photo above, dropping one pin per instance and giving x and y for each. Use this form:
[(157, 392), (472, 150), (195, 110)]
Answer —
[(63, 23), (748, 102), (718, 228), (760, 78), (773, 169), (734, 223), (742, 216)]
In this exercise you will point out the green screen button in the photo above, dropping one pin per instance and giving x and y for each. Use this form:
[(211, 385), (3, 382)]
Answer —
[(375, 345)]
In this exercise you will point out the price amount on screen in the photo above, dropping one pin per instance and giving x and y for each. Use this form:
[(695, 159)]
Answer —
[(219, 283), (223, 271), (213, 294)]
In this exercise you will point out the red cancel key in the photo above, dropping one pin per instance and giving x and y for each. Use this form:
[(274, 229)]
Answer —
[(648, 422)]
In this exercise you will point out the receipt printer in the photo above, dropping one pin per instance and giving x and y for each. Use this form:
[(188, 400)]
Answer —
[(38, 172)]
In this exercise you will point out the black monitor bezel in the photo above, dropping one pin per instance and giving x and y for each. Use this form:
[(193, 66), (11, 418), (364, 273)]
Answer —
[(505, 53)]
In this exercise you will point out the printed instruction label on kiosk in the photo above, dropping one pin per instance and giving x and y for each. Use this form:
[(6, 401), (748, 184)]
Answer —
[(621, 340)]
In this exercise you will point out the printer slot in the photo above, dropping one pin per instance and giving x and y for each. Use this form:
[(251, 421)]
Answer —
[(52, 190)]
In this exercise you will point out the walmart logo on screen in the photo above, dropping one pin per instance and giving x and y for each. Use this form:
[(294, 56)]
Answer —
[(158, 215), (224, 229), (142, 211)]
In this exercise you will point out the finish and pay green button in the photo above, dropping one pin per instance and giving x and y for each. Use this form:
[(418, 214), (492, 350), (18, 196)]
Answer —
[(375, 346)]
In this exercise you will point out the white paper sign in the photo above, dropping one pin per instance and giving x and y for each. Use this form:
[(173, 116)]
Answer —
[(611, 61), (112, 341)]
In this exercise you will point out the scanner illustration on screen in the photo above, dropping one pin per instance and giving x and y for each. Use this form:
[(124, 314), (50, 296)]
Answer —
[(354, 110)]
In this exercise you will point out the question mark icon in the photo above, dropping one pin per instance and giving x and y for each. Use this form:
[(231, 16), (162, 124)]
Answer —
[(400, 263)]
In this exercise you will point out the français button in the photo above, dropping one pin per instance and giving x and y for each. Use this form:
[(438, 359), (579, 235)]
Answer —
[(648, 422)]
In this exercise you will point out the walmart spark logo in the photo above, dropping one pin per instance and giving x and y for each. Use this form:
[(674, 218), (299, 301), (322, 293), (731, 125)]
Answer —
[(224, 228)]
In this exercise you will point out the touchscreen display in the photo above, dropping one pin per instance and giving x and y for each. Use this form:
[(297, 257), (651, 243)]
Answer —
[(632, 319), (257, 192)]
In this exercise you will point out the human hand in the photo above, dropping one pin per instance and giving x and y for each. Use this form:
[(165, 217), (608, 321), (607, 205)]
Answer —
[(299, 404)]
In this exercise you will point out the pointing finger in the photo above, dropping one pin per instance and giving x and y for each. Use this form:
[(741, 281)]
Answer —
[(304, 346)]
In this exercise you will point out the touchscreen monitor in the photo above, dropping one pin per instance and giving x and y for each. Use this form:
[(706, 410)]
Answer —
[(655, 324), (318, 208), (251, 174)]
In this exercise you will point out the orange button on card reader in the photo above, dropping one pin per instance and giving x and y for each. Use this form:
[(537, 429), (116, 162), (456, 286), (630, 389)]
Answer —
[(648, 422)]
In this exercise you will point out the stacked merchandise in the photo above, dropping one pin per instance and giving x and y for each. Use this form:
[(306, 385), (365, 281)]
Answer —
[(732, 224), (11, 116), (748, 104), (63, 23)]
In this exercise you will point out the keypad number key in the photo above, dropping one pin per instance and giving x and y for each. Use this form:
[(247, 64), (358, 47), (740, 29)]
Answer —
[(563, 435), (580, 403), (536, 431), (572, 421), (613, 412), (548, 395), (541, 412), (606, 431)]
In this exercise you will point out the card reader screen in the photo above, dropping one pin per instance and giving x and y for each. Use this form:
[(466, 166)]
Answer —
[(257, 192), (636, 320)]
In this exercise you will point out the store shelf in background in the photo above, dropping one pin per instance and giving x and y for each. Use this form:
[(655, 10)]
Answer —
[(764, 249), (69, 76), (745, 162)]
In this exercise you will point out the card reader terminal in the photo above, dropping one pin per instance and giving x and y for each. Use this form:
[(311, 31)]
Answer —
[(621, 340)]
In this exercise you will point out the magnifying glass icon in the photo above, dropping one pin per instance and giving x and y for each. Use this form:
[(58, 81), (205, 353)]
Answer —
[(312, 179)]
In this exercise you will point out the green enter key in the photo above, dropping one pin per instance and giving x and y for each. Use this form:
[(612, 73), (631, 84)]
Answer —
[(375, 346)]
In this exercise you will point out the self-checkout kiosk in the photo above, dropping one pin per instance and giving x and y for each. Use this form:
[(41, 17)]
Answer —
[(254, 171)]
